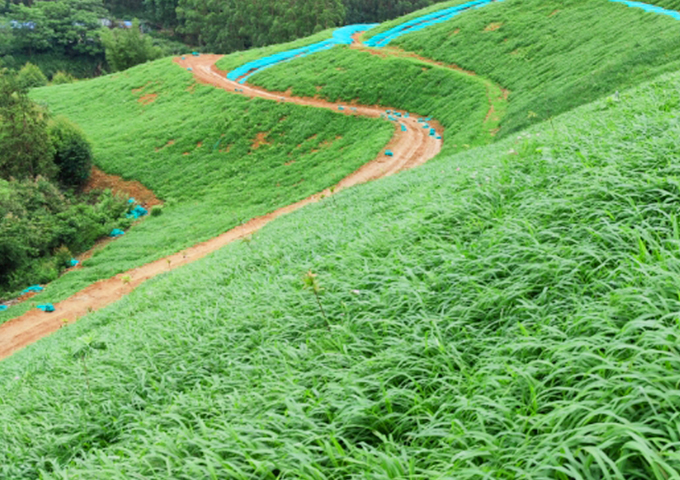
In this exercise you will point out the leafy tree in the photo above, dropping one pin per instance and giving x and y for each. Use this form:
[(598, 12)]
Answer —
[(73, 153), (373, 11), (162, 12), (230, 25), (67, 27), (126, 48), (25, 149), (30, 76)]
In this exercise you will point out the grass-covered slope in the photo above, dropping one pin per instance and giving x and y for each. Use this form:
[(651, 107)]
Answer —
[(231, 61), (670, 4), (458, 100), (553, 55), (216, 158), (509, 312)]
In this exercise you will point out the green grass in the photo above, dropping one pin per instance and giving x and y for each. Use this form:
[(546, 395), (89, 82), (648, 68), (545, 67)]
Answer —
[(553, 55), (670, 4), (208, 188), (509, 312), (385, 26), (234, 60), (457, 100)]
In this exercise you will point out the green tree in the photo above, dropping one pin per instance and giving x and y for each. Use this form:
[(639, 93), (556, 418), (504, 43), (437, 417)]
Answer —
[(126, 48), (30, 76), (73, 153), (229, 25), (66, 27), (26, 150)]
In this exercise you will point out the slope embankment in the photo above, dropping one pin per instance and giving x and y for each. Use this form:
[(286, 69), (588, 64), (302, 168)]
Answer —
[(411, 146)]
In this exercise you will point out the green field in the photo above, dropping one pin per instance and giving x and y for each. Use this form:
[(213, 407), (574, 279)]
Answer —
[(212, 177), (553, 55), (507, 312), (458, 100)]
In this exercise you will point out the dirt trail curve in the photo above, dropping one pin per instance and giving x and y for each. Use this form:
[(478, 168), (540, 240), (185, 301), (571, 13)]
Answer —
[(411, 148)]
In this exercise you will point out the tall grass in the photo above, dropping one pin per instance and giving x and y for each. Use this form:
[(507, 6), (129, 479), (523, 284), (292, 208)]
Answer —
[(554, 55), (456, 99), (215, 158), (508, 312)]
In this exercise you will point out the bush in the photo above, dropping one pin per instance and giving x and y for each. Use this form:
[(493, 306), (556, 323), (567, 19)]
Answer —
[(30, 76), (41, 229), (125, 48), (61, 78), (73, 153), (24, 143), (156, 211)]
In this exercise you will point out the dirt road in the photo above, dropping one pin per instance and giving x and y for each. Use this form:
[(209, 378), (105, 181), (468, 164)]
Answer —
[(411, 148)]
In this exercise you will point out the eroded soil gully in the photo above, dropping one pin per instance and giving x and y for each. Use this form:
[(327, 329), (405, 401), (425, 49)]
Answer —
[(411, 148)]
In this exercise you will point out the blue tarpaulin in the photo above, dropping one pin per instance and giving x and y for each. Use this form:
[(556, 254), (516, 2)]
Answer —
[(46, 307), (417, 24), (33, 288), (137, 212), (389, 153), (74, 262), (117, 232), (341, 36), (3, 308)]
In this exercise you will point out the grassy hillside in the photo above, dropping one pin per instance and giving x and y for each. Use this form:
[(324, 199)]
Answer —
[(458, 100), (670, 4), (230, 62), (554, 55), (216, 158), (388, 25), (508, 312)]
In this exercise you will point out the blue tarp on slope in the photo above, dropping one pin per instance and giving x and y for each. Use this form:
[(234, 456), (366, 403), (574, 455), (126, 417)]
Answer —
[(342, 36), (650, 8), (383, 39)]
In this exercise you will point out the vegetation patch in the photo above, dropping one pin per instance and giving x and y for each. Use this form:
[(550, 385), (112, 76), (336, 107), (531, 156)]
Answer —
[(553, 63), (219, 185), (507, 312)]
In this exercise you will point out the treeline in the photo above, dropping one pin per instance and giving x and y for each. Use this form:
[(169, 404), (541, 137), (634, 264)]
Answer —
[(70, 34)]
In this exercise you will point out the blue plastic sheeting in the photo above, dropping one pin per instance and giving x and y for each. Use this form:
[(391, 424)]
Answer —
[(650, 8), (74, 262), (403, 127), (3, 308), (137, 212), (420, 23), (46, 307), (34, 288), (341, 108), (117, 232), (389, 153), (342, 36)]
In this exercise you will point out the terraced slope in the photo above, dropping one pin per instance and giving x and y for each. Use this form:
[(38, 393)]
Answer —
[(215, 158), (553, 55), (508, 312)]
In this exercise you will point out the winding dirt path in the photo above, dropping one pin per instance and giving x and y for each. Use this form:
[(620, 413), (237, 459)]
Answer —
[(411, 148)]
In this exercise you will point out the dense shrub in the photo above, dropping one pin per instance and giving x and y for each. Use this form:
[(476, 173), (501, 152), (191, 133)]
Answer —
[(61, 78), (31, 76), (126, 48), (73, 153), (26, 149), (41, 228)]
